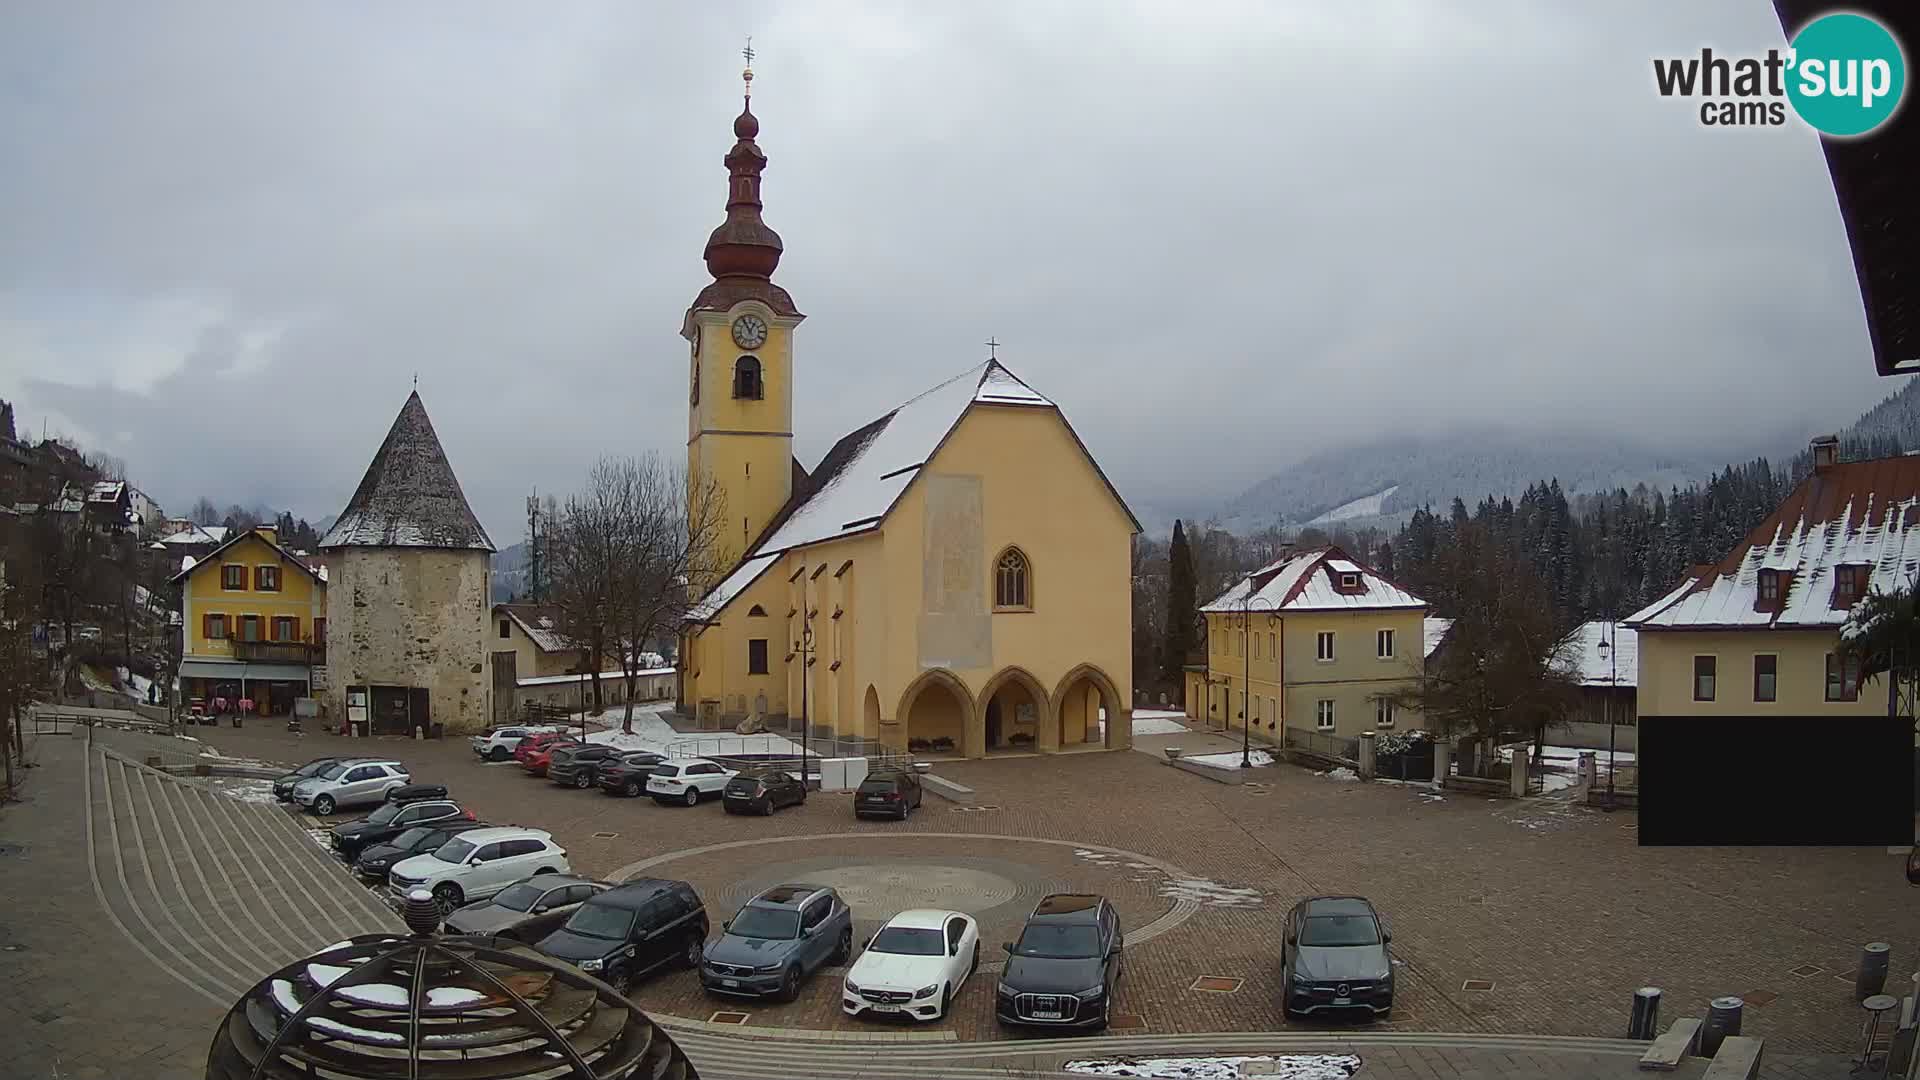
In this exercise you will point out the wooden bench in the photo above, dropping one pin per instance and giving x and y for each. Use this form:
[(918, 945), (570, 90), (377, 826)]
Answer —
[(1737, 1059), (1669, 1049)]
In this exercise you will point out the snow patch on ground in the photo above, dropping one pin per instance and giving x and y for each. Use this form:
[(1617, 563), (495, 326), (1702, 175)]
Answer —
[(1209, 893), (1230, 760), (1158, 723), (652, 733), (1280, 1066), (245, 790), (1341, 773)]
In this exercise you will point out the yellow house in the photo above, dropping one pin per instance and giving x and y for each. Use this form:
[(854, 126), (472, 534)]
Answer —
[(1755, 634), (952, 577), (254, 623), (1312, 644)]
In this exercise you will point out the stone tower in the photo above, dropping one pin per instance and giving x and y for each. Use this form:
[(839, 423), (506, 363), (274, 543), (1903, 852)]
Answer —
[(408, 591)]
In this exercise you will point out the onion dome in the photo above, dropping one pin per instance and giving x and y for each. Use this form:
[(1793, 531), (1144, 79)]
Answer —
[(427, 1007), (743, 245)]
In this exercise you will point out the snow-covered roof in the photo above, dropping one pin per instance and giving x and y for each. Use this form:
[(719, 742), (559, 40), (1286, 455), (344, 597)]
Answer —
[(1436, 632), (212, 557), (540, 623), (409, 496), (731, 586), (1857, 513), (1306, 582), (1616, 665), (198, 534), (106, 491)]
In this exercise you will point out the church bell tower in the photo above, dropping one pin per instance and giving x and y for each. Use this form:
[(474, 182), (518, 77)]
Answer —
[(739, 331)]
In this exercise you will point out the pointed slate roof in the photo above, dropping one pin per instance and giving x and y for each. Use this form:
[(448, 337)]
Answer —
[(409, 496)]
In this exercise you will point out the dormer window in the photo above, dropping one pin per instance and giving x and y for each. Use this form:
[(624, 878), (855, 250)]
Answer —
[(1769, 588), (1350, 581), (746, 379), (1849, 584)]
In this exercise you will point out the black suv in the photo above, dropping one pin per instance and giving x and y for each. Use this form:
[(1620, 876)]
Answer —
[(627, 775), (1335, 958), (890, 793), (762, 792), (579, 766), (375, 860), (390, 821), (1063, 970), (632, 929)]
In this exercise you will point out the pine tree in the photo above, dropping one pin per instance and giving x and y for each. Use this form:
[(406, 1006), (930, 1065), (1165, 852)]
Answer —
[(1182, 610)]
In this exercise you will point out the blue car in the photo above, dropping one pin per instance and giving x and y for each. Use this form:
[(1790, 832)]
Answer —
[(776, 940)]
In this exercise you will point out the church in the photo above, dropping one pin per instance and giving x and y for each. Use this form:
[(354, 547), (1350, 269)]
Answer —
[(952, 578)]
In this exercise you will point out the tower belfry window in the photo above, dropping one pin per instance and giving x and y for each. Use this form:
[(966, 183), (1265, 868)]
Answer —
[(746, 378)]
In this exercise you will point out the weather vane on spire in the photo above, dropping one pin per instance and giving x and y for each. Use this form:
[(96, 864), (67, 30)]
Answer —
[(747, 75)]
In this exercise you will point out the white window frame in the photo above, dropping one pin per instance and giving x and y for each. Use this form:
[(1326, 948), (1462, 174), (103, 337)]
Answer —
[(1323, 715), (1383, 637), (1349, 581), (1323, 647), (1383, 712)]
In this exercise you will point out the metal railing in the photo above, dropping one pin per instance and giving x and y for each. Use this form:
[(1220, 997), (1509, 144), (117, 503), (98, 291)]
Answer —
[(1323, 743)]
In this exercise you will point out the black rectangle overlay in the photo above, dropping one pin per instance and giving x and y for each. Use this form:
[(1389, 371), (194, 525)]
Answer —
[(1830, 781)]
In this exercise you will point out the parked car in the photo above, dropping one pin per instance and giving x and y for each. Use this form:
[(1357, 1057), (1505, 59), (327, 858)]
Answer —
[(762, 792), (687, 781), (538, 741), (777, 939), (891, 793), (476, 864), (1063, 969), (539, 757), (526, 910), (415, 792), (579, 766), (627, 774), (392, 819), (914, 966), (376, 859), (1335, 958), (350, 783), (632, 929), (499, 744), (283, 787)]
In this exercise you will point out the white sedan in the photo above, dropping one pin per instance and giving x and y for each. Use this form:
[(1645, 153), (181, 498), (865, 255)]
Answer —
[(914, 966)]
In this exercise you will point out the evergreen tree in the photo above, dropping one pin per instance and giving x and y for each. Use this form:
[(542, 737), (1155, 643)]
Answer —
[(1183, 617)]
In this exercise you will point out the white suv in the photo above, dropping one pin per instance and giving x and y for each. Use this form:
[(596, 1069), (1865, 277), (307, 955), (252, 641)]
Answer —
[(476, 864), (687, 780), (499, 744)]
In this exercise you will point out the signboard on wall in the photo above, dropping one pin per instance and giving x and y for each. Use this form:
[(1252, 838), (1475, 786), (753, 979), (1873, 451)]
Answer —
[(319, 681)]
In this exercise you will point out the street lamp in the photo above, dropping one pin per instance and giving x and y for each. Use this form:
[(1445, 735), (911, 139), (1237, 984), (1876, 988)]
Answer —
[(803, 648), (1609, 646), (1246, 676)]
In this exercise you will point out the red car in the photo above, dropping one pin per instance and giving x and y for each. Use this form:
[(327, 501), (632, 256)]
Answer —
[(525, 748), (537, 758)]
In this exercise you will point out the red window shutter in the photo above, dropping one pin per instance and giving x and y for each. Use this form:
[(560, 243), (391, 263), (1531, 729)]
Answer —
[(206, 626)]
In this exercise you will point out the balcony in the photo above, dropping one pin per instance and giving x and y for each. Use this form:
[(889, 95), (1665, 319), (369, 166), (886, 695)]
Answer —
[(279, 652)]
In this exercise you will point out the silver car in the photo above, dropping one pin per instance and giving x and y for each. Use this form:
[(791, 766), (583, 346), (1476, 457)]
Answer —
[(350, 783)]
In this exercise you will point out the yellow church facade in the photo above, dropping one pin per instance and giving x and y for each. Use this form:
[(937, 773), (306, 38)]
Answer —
[(953, 577)]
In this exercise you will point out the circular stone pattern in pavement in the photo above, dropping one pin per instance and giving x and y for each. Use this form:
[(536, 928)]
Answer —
[(876, 891)]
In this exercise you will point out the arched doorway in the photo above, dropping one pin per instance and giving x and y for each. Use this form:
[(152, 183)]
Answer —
[(1014, 713), (1089, 711), (870, 714), (933, 714)]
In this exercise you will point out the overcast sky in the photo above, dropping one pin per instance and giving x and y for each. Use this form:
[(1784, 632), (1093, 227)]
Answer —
[(1221, 235)]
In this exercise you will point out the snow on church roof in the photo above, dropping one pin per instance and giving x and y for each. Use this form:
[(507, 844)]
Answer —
[(409, 496)]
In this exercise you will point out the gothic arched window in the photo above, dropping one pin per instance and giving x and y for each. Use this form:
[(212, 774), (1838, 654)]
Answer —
[(757, 611), (1012, 581), (746, 378)]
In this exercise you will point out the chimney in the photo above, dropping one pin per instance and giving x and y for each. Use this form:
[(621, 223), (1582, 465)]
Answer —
[(1826, 452), (268, 533)]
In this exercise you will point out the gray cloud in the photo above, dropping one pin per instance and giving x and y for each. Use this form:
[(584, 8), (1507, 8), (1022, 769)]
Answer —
[(1223, 236)]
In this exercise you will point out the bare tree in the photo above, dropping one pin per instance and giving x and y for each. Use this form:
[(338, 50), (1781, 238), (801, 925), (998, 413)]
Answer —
[(204, 512), (621, 553)]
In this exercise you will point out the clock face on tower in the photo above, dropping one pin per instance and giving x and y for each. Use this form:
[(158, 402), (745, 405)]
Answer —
[(749, 331)]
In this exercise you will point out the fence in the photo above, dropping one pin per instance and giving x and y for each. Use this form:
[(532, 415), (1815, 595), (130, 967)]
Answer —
[(1415, 764), (1323, 743), (773, 746)]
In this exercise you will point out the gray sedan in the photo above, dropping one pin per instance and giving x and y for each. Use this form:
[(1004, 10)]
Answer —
[(526, 910)]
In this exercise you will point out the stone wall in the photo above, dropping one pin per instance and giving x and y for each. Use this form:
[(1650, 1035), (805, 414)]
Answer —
[(413, 617)]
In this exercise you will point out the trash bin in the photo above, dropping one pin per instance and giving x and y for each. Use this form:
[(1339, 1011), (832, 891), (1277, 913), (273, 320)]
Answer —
[(1872, 976), (1723, 1019), (436, 731), (1645, 1019)]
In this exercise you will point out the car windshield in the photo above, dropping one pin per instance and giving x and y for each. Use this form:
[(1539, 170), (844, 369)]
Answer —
[(519, 897), (601, 921), (1055, 942), (412, 837), (333, 771), (909, 941), (385, 814), (454, 851), (1333, 931), (759, 922)]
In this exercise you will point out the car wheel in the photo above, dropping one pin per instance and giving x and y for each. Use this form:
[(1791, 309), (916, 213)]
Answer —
[(499, 753), (903, 811), (323, 805), (1106, 1013), (545, 870), (974, 964), (583, 781), (946, 1000), (790, 985), (630, 789), (446, 896), (620, 979), (766, 808), (845, 952), (696, 945), (692, 796)]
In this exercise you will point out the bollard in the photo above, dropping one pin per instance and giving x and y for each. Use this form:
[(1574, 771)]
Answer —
[(1723, 1019), (1644, 1022), (1871, 979)]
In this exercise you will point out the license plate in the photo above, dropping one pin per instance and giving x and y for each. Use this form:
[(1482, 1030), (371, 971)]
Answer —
[(884, 1008), (735, 983), (1342, 1001), (1046, 1014)]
